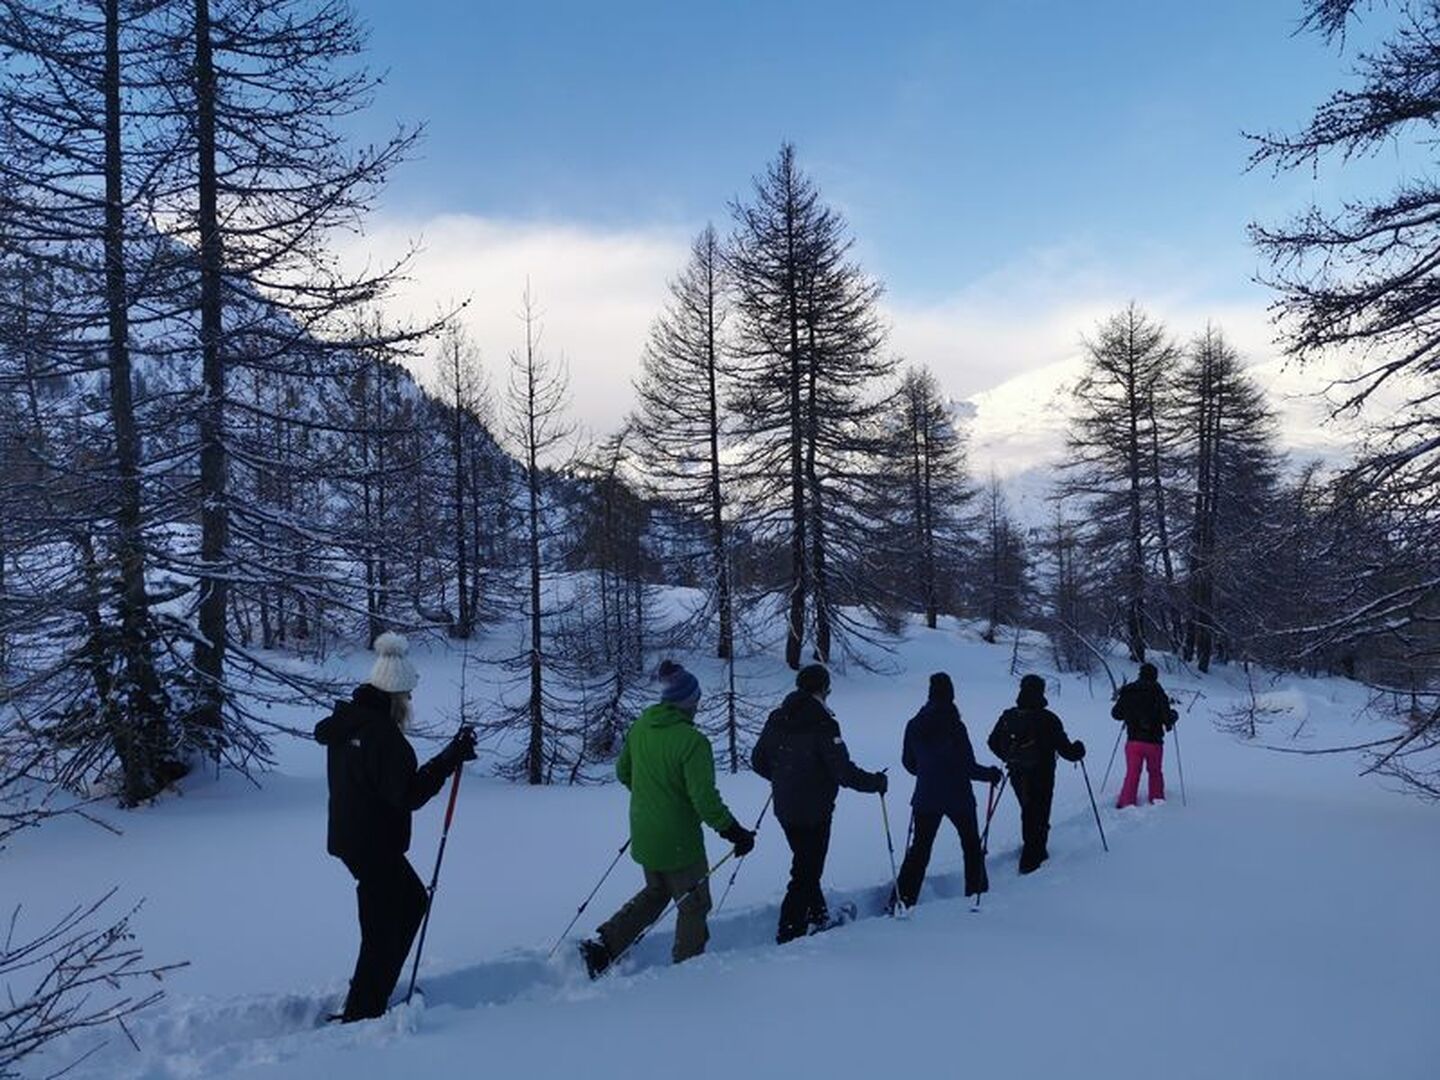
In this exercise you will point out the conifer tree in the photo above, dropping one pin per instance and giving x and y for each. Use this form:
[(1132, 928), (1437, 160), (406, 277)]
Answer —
[(536, 429), (810, 365), (262, 177), (680, 423), (1111, 463), (77, 168), (927, 446), (1226, 431)]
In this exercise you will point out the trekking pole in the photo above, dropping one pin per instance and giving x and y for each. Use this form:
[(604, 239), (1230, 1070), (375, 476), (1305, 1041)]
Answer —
[(990, 807), (586, 903), (674, 904), (992, 803), (1180, 764), (894, 875), (1105, 781), (434, 880), (1093, 808), (741, 862)]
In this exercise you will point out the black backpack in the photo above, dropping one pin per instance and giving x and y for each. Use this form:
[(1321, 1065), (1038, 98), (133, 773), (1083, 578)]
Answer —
[(1027, 748)]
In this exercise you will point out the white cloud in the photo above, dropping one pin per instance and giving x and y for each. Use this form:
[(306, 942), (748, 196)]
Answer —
[(597, 291), (1034, 311)]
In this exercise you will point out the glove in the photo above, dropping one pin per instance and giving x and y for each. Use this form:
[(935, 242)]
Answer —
[(994, 775), (741, 837), (1079, 750), (881, 781), (1172, 721), (462, 747)]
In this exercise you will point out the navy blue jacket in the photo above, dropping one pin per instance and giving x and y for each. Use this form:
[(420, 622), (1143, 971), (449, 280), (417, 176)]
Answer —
[(938, 754)]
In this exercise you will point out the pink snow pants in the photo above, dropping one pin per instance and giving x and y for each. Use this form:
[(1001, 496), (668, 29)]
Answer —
[(1150, 755)]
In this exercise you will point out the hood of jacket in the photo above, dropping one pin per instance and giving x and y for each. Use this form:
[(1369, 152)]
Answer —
[(800, 710), (366, 705), (664, 714), (1031, 697), (934, 719)]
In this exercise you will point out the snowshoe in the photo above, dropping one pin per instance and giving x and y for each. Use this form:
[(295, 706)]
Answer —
[(845, 913), (596, 956), (894, 908)]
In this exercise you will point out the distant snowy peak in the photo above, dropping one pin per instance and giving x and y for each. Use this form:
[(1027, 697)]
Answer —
[(1017, 429)]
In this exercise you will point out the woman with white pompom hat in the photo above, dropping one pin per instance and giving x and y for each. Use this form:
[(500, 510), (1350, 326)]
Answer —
[(375, 785)]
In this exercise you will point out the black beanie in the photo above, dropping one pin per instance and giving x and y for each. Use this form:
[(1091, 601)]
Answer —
[(813, 679), (1148, 673), (1032, 693), (941, 688)]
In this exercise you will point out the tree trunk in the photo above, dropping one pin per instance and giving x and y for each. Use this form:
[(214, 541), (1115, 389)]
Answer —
[(927, 526), (534, 758), (725, 648), (819, 583), (143, 697), (462, 590), (214, 515), (1135, 615), (795, 631), (1161, 519)]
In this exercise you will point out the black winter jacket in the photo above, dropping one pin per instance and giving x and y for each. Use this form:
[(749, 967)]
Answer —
[(374, 784), (1144, 708), (938, 754), (1028, 738), (803, 756)]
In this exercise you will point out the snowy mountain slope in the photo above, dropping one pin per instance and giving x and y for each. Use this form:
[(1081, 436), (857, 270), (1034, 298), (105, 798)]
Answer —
[(1017, 429), (1268, 929)]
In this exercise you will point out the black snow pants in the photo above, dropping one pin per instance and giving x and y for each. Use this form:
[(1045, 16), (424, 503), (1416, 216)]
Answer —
[(392, 902), (1034, 790), (917, 858), (804, 904)]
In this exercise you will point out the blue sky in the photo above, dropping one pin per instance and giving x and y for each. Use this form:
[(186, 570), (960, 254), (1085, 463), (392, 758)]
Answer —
[(1030, 153)]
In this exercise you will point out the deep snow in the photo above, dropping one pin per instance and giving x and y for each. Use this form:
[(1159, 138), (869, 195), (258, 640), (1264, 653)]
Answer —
[(1277, 926)]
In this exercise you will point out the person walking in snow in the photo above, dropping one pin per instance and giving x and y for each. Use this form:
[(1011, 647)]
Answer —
[(1027, 738), (938, 754), (669, 767), (1144, 708), (375, 785), (800, 751)]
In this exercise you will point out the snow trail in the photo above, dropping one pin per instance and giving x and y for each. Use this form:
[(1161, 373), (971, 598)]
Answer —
[(1269, 930)]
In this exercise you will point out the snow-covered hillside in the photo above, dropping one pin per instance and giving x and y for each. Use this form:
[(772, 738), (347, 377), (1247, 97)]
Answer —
[(1017, 429), (1277, 926)]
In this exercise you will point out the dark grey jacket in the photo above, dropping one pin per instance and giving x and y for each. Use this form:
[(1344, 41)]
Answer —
[(1028, 737), (803, 756), (1144, 708)]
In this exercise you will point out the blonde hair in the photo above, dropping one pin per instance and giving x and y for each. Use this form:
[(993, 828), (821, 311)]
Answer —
[(402, 711)]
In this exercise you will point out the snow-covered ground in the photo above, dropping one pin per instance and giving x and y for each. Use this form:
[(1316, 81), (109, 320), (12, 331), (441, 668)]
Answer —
[(1278, 926)]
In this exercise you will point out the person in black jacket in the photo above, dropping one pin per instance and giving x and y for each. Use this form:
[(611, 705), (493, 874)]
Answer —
[(374, 787), (801, 753), (1144, 708), (1027, 738), (938, 754)]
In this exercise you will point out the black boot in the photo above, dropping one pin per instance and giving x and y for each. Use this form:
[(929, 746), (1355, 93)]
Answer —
[(597, 957)]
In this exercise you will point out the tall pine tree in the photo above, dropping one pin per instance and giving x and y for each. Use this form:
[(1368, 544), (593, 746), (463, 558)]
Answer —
[(810, 363)]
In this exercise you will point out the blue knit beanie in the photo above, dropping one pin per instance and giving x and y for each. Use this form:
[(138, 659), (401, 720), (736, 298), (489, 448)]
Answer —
[(679, 687)]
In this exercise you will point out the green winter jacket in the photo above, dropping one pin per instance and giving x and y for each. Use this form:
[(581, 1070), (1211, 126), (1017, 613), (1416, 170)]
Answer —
[(670, 771)]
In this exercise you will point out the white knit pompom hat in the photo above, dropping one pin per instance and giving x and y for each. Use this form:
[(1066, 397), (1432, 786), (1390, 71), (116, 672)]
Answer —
[(393, 672)]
